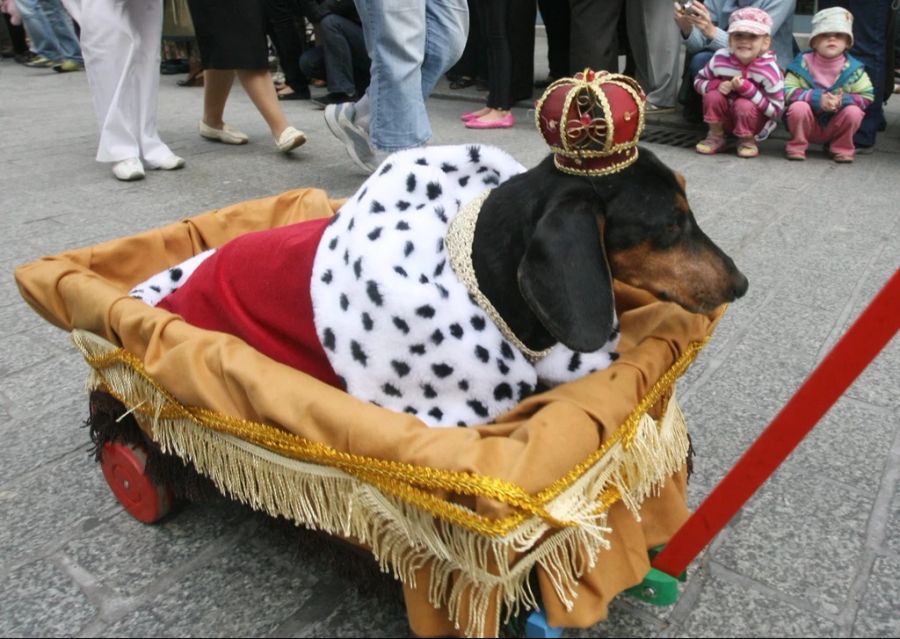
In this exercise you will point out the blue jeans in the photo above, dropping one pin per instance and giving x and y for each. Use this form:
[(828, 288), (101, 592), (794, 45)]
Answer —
[(50, 30), (411, 43), (341, 58)]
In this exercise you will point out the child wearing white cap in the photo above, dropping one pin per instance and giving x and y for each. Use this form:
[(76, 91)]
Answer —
[(742, 86), (827, 90)]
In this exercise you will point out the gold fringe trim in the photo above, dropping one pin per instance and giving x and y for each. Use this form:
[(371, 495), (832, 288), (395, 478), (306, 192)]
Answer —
[(476, 563), (407, 481)]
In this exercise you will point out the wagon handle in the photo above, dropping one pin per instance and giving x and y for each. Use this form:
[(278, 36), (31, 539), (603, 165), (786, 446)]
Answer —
[(868, 335)]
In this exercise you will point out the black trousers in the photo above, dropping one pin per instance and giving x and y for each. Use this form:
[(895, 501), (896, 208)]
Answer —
[(282, 28), (594, 34), (555, 14), (16, 35), (340, 57), (522, 16), (495, 21)]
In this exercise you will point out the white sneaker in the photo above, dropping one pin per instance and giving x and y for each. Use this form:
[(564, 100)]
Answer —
[(290, 139), (170, 163), (226, 134), (340, 120), (128, 170)]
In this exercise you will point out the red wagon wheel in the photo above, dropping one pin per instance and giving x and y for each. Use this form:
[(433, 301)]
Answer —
[(124, 469)]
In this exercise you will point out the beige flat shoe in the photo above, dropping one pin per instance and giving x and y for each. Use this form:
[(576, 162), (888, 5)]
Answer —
[(226, 134), (290, 139)]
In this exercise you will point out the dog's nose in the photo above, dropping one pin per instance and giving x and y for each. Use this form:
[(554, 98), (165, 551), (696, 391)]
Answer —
[(739, 285)]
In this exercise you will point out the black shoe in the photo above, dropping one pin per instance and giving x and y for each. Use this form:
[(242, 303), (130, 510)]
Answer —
[(333, 98), (298, 93), (24, 58), (462, 82), (174, 67)]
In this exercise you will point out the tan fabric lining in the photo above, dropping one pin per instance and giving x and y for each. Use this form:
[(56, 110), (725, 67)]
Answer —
[(532, 447)]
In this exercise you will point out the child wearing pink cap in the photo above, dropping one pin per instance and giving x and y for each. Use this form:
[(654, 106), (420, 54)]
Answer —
[(742, 86), (827, 90)]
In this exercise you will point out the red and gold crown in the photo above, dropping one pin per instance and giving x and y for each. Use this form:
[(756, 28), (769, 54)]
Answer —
[(592, 122)]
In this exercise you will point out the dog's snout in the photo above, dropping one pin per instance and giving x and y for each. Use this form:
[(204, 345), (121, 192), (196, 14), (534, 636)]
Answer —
[(739, 285)]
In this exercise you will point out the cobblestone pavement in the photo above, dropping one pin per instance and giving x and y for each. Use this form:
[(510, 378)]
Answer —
[(815, 553)]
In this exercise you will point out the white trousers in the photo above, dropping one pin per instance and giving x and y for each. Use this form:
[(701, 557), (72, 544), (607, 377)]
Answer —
[(120, 41)]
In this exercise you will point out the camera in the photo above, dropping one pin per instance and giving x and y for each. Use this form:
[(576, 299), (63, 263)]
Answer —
[(688, 7)]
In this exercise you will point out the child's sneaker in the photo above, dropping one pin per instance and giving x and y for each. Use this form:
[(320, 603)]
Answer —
[(710, 145), (842, 158), (747, 149), (796, 156)]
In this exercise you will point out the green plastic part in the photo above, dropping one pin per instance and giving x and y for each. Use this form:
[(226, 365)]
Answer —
[(657, 588)]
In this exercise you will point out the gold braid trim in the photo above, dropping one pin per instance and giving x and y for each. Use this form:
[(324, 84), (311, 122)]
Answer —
[(475, 561), (460, 235), (387, 473)]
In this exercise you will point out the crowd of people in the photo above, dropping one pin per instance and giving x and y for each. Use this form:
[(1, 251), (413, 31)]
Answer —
[(734, 65)]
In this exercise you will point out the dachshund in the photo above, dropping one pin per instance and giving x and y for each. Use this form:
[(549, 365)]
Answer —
[(455, 282)]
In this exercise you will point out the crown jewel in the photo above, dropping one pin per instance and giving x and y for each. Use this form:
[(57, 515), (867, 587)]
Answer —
[(592, 121)]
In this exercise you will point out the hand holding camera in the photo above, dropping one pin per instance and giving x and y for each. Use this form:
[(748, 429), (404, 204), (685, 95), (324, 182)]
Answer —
[(693, 13), (688, 7)]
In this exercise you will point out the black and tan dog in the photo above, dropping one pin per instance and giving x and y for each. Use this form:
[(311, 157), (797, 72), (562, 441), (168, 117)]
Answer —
[(547, 245), (454, 282)]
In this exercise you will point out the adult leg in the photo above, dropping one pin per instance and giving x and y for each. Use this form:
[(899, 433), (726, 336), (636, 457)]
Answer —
[(258, 85), (43, 42), (63, 31), (496, 14), (115, 92), (312, 63), (870, 27), (447, 29), (395, 36), (462, 74), (656, 46), (555, 14), (521, 32), (693, 101), (145, 30), (359, 55), (16, 36), (594, 41), (288, 43), (216, 89), (338, 45)]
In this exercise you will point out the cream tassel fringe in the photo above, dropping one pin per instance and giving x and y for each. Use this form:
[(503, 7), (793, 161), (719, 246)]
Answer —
[(470, 571)]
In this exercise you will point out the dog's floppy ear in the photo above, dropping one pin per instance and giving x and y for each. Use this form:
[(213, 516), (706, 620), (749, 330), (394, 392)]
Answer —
[(565, 278)]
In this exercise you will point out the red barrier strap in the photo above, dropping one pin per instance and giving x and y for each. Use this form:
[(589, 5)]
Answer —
[(866, 338)]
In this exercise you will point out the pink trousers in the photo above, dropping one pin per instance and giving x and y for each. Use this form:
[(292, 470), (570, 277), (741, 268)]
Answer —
[(738, 116), (805, 128)]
